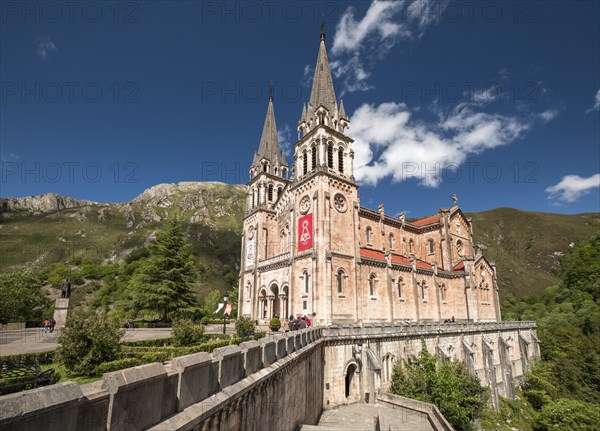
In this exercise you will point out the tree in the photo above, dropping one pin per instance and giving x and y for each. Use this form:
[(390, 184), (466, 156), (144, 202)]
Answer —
[(565, 414), (211, 302), (162, 283), (22, 297), (459, 395), (88, 340)]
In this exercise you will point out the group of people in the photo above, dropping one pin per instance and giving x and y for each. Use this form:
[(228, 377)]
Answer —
[(451, 320), (49, 325), (293, 324)]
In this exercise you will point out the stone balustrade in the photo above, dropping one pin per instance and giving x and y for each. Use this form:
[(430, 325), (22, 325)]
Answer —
[(141, 397), (387, 330), (275, 259), (251, 385)]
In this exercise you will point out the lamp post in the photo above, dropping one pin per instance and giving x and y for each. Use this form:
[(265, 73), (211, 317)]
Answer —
[(225, 299)]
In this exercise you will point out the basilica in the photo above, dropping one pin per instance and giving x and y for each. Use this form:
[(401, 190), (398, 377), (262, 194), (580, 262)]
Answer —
[(310, 248)]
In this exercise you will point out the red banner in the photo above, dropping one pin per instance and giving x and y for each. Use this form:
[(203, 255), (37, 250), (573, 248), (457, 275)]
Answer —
[(305, 232), (228, 308)]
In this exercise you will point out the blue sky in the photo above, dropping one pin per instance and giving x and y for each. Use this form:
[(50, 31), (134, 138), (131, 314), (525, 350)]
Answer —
[(498, 102)]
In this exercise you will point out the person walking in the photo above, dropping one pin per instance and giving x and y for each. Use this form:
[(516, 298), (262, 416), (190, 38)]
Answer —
[(46, 325)]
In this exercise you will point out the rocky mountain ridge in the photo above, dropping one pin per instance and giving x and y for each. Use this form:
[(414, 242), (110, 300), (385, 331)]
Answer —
[(41, 230)]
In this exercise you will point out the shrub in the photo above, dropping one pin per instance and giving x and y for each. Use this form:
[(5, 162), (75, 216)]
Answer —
[(244, 327), (88, 340), (275, 324), (155, 342), (116, 365), (154, 357), (43, 358), (187, 333), (565, 414)]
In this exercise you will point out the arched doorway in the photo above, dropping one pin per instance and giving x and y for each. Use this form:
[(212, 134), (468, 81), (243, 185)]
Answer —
[(351, 388)]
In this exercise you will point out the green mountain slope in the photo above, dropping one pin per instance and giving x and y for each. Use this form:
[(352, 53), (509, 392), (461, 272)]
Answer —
[(211, 213), (526, 246)]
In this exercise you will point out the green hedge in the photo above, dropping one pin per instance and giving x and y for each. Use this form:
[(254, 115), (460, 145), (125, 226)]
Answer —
[(208, 321), (171, 352), (43, 358), (116, 365), (161, 342), (155, 342), (152, 324)]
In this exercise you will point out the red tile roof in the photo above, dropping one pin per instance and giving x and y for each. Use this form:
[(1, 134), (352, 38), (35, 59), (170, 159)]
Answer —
[(460, 266), (427, 220), (423, 264), (396, 258), (372, 254)]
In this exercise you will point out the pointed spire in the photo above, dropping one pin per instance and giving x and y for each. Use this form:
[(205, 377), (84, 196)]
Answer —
[(269, 142), (342, 111), (323, 28), (322, 89), (303, 116)]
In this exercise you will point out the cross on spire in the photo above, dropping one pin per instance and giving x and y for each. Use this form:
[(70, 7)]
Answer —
[(323, 27), (271, 90)]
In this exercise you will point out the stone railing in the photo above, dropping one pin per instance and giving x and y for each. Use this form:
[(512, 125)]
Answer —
[(276, 259), (178, 395), (437, 421), (407, 329)]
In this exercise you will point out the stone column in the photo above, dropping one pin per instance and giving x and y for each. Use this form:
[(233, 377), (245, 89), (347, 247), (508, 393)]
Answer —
[(351, 167), (271, 298)]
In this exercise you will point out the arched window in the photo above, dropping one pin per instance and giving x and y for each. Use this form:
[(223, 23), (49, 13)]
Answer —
[(340, 281), (265, 167), (399, 284), (306, 281), (279, 192), (304, 163), (411, 246), (431, 246), (391, 241), (459, 247), (330, 156), (368, 235), (372, 285), (443, 287), (253, 198), (341, 160), (423, 291), (270, 193), (313, 153)]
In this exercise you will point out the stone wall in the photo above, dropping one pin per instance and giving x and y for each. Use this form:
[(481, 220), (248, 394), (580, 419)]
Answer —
[(359, 360), (272, 384), (278, 383)]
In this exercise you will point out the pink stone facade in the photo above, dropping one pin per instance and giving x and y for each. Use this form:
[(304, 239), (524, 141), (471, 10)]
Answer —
[(361, 265)]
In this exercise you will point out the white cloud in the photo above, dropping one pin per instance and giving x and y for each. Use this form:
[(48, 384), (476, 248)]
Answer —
[(596, 106), (284, 136), (357, 42), (389, 143), (548, 115), (572, 187), (44, 47)]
